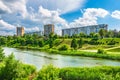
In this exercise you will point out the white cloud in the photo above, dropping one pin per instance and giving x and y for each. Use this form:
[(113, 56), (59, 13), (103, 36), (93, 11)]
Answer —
[(90, 17), (4, 8), (63, 5), (6, 26), (32, 29), (116, 14), (6, 33), (46, 16), (14, 6)]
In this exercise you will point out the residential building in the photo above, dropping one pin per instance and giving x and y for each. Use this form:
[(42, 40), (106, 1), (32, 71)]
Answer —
[(49, 28), (85, 29), (20, 31)]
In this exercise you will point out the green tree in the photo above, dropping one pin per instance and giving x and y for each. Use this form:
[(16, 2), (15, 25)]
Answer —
[(92, 34), (2, 55), (102, 33), (12, 69), (64, 47), (80, 42), (74, 43), (48, 73), (82, 35), (96, 36), (41, 43), (51, 43), (3, 40), (110, 34)]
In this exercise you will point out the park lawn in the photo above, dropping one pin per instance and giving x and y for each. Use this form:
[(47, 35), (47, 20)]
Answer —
[(114, 50)]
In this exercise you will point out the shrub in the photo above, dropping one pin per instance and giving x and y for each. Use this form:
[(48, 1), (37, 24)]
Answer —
[(2, 56), (101, 51), (93, 73), (63, 48), (48, 73), (41, 43)]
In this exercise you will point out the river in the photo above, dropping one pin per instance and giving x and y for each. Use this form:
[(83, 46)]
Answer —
[(40, 59)]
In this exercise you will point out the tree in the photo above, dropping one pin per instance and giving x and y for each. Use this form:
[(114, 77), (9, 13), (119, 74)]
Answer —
[(41, 43), (74, 43), (2, 55), (75, 35), (110, 34), (80, 42), (64, 47), (2, 40), (82, 35), (96, 36), (102, 33), (92, 34), (12, 69), (51, 43)]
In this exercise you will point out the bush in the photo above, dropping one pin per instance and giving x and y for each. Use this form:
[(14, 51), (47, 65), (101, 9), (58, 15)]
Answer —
[(15, 70), (101, 51), (48, 73), (63, 48), (93, 73)]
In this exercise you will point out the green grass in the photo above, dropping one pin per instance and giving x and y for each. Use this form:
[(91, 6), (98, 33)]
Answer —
[(76, 53), (94, 73), (79, 73), (114, 50)]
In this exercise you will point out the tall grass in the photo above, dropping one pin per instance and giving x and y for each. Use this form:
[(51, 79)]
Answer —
[(85, 73)]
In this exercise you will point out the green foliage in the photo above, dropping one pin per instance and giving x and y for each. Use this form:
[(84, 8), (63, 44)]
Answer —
[(2, 55), (52, 38), (96, 36), (82, 35), (101, 51), (14, 70), (94, 73), (114, 50), (11, 69), (63, 47), (102, 33), (74, 43), (2, 40), (51, 43), (48, 73), (80, 42), (41, 43)]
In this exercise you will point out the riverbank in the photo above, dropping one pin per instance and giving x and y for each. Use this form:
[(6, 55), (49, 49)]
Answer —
[(94, 73), (10, 68), (74, 53)]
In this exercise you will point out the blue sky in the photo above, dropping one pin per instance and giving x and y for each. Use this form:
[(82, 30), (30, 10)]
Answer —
[(33, 14)]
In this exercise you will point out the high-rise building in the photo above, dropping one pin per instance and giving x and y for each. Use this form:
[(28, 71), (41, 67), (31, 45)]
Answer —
[(49, 28), (20, 31), (85, 29)]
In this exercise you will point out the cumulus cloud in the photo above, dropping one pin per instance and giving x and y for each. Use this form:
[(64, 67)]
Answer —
[(6, 28), (90, 17), (46, 16), (33, 29), (63, 5), (116, 14), (13, 6), (30, 13), (4, 8)]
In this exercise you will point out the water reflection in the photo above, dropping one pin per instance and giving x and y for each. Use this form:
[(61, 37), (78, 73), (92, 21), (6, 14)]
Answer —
[(41, 58)]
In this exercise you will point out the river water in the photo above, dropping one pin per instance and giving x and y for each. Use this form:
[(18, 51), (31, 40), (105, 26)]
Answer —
[(40, 59)]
